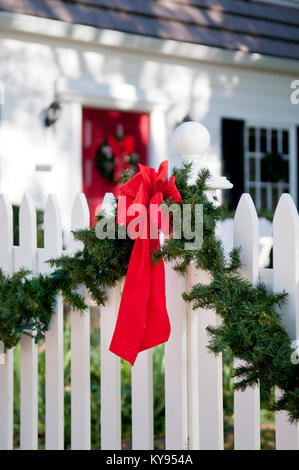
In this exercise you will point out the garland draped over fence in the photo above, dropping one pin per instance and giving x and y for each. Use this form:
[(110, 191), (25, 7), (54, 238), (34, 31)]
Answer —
[(251, 326)]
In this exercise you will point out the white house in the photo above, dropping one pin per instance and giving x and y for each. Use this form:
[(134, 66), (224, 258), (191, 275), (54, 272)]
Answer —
[(140, 67)]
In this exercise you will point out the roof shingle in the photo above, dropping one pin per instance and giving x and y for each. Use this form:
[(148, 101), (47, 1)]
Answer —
[(249, 25)]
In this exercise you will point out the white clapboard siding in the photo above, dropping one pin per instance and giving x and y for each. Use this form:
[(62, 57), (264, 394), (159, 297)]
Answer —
[(142, 402), (247, 403), (25, 256), (80, 349), (176, 405), (110, 374), (210, 394), (6, 359), (54, 337), (286, 277)]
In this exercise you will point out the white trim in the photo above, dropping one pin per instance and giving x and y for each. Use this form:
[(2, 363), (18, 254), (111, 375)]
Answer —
[(112, 96), (54, 29)]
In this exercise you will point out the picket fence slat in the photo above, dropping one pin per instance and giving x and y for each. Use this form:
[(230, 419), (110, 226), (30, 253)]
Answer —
[(110, 375), (176, 407), (80, 348), (286, 277), (54, 336), (193, 365), (142, 402), (6, 359), (247, 402), (26, 257), (210, 379)]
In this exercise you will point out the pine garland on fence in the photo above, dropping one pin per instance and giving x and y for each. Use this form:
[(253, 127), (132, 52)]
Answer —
[(251, 326)]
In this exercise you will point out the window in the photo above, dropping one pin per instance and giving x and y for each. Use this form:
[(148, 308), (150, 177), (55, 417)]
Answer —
[(266, 164)]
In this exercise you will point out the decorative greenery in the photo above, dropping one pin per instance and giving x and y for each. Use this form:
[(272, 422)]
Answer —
[(251, 328)]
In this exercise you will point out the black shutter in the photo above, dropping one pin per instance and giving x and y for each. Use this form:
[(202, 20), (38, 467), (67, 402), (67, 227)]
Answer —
[(297, 153), (233, 159)]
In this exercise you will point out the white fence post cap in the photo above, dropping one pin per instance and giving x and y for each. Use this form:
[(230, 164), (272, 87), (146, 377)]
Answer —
[(191, 140)]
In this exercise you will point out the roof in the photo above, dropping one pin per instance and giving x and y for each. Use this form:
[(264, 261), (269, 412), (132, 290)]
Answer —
[(246, 25)]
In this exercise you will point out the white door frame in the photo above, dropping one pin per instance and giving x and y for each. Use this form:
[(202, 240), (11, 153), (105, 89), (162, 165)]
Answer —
[(73, 95), (291, 127)]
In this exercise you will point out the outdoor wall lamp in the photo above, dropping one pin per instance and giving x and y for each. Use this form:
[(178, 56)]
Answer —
[(53, 113)]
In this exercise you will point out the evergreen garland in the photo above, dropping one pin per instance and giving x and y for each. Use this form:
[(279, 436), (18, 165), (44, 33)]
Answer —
[(251, 326)]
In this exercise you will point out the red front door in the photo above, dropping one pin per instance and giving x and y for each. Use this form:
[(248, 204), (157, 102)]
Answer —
[(98, 125)]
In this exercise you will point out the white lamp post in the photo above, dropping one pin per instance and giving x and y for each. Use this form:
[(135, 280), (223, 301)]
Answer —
[(191, 140)]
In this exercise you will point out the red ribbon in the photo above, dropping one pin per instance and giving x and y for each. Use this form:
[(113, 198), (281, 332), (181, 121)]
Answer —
[(120, 149), (143, 321)]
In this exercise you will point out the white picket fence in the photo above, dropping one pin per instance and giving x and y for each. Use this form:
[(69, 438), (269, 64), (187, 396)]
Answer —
[(193, 376)]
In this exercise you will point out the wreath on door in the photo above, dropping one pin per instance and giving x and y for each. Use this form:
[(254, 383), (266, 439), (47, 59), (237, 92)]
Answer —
[(116, 154)]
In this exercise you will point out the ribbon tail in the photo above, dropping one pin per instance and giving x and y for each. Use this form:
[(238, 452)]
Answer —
[(157, 329), (131, 320)]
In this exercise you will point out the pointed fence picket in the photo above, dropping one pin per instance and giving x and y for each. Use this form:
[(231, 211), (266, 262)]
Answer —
[(286, 277), (6, 365), (80, 348), (142, 402), (210, 395), (25, 256), (205, 407), (110, 375), (194, 420), (54, 337), (247, 402), (176, 403), (193, 376)]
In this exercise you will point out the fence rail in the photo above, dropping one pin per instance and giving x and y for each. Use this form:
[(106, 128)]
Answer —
[(193, 376)]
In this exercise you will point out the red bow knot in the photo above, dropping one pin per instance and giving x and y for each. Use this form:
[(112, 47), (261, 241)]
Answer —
[(143, 321)]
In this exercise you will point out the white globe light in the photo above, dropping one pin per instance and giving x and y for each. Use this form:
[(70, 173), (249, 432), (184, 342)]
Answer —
[(191, 138)]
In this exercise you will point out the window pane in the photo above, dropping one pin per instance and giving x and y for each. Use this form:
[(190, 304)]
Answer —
[(286, 171), (252, 169), (263, 140), (274, 142), (252, 193), (263, 198), (251, 139), (274, 197), (285, 142)]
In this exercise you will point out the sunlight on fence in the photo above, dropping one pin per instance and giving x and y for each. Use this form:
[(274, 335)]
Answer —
[(193, 376)]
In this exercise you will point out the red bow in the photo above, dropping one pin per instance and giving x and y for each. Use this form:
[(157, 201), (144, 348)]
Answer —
[(143, 321), (120, 150)]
